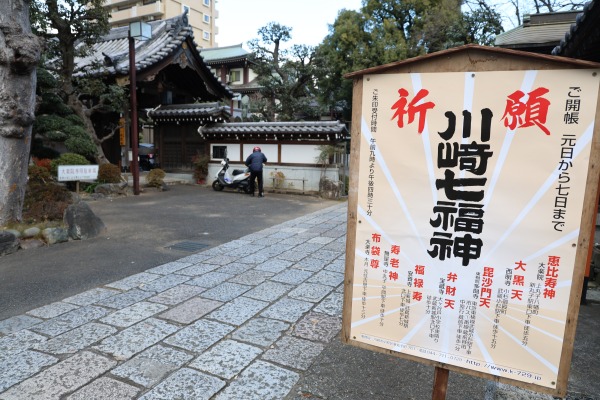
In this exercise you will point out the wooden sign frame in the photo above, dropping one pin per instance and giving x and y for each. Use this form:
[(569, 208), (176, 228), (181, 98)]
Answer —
[(474, 58)]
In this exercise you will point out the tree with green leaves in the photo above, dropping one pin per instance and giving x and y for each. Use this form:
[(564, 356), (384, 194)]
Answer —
[(70, 28), (286, 75), (386, 31), (19, 55)]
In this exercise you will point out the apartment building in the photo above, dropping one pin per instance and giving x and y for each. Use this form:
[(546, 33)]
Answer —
[(202, 15)]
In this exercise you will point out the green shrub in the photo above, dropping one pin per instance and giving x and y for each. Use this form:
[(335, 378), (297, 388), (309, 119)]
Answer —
[(155, 178), (39, 174), (45, 202), (68, 159), (109, 173)]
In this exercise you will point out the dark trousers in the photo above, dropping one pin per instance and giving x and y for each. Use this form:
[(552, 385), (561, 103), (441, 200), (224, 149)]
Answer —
[(256, 175)]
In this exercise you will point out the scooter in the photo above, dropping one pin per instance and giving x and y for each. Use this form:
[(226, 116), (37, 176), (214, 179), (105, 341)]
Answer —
[(240, 178)]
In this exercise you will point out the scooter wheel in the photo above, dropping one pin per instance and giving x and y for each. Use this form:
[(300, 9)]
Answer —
[(217, 186)]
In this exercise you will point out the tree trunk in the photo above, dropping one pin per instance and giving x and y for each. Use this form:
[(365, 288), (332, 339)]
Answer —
[(85, 114), (19, 54)]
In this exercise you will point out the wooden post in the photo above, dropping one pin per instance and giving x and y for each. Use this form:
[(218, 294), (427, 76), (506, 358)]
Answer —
[(440, 383)]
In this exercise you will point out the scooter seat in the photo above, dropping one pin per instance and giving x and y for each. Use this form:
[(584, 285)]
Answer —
[(238, 171)]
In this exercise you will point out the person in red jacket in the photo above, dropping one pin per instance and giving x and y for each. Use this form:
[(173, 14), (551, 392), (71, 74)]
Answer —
[(255, 163)]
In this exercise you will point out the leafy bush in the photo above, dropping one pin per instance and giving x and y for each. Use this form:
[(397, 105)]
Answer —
[(109, 173), (45, 202), (68, 159), (155, 178), (39, 174), (44, 163)]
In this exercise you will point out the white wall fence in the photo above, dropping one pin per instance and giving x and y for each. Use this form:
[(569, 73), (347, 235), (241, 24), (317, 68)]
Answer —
[(295, 179)]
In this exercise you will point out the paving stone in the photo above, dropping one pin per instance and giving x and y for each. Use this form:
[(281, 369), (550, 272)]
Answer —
[(125, 299), (17, 367), (233, 269), (292, 276), (254, 259), (261, 331), (197, 270), (268, 241), (238, 311), (336, 247), (133, 314), (284, 233), (253, 277), (294, 241), (294, 352), (133, 281), (327, 254), (313, 292), (274, 265), (191, 310), (236, 244), (177, 294), (226, 291), (336, 265), (210, 279), (164, 283), (15, 343), (76, 339), (195, 258), (261, 380), (199, 336), (136, 338), (226, 359), (331, 305), (276, 249), (321, 240), (311, 264), (152, 365), (308, 247), (70, 320), (170, 267), (286, 309), (318, 327), (17, 323), (293, 255), (61, 378), (105, 389), (186, 384), (222, 259), (52, 310), (327, 278), (91, 296), (269, 291)]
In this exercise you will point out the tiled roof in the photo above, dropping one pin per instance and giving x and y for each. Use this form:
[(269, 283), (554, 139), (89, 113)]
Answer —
[(539, 30), (582, 39), (110, 55), (224, 54), (320, 131), (277, 127), (190, 112)]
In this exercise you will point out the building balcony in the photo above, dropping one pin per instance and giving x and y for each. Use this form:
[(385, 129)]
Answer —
[(137, 12), (118, 3)]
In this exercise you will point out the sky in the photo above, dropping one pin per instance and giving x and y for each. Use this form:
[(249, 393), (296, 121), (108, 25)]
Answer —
[(240, 20)]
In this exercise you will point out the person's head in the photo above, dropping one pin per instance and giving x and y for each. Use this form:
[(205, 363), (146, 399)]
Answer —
[(256, 149)]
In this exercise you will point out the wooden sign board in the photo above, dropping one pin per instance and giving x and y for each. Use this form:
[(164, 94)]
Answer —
[(472, 199), (68, 173)]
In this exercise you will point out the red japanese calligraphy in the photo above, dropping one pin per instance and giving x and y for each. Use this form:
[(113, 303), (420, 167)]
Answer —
[(533, 112), (403, 107)]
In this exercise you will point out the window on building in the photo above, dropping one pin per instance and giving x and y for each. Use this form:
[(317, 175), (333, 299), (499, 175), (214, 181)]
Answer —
[(206, 35), (218, 152), (206, 18), (234, 76), (206, 2), (144, 2)]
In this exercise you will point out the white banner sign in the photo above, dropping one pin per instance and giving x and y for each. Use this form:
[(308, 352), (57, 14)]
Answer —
[(77, 172)]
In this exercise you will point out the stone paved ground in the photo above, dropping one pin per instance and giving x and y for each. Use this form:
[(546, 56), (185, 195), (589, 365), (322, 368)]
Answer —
[(240, 321), (253, 319)]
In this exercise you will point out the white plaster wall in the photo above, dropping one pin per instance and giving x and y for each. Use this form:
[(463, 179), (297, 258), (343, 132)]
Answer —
[(299, 153), (269, 150)]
